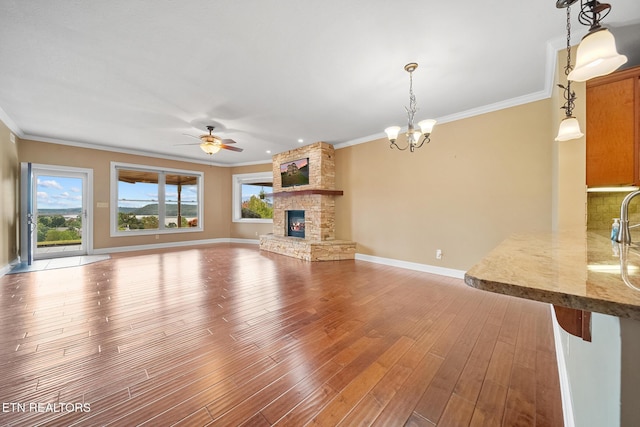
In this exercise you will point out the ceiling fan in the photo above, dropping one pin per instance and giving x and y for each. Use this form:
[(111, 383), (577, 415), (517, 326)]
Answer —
[(211, 144)]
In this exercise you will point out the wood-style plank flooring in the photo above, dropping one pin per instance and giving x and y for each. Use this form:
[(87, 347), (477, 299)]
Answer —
[(227, 335)]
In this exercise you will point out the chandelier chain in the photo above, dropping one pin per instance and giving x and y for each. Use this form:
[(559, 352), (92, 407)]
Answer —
[(411, 111)]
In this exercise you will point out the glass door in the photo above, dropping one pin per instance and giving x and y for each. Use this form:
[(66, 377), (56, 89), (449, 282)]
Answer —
[(61, 224), (26, 207)]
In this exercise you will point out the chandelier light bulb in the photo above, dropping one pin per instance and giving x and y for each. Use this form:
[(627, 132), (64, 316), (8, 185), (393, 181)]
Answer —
[(416, 136)]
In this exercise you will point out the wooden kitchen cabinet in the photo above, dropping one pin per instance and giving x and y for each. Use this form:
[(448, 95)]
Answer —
[(613, 129)]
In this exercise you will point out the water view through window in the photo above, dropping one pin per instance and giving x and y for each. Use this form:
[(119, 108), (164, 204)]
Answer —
[(157, 200)]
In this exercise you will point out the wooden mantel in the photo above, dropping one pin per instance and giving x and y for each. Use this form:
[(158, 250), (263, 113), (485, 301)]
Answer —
[(306, 193)]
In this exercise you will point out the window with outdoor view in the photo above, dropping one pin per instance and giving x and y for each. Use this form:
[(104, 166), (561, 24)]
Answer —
[(252, 200), (155, 200)]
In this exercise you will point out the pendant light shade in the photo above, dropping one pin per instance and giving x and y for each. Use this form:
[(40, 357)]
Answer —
[(569, 129), (392, 132), (597, 56), (426, 126)]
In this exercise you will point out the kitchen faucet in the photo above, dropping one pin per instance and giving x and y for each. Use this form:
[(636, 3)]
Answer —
[(624, 236)]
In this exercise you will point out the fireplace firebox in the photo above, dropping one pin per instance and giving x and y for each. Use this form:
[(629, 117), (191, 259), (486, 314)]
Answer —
[(295, 223)]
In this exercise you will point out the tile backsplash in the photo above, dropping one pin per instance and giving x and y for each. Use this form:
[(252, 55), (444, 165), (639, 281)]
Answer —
[(603, 207)]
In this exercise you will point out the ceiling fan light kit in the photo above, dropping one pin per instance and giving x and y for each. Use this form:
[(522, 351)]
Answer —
[(210, 147), (211, 144)]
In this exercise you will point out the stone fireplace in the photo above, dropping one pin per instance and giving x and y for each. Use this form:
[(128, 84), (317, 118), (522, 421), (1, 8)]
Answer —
[(316, 200)]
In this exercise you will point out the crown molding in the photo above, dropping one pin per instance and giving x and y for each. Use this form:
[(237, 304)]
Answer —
[(144, 153), (8, 121)]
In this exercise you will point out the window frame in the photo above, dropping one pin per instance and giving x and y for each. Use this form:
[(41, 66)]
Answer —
[(236, 207), (162, 172)]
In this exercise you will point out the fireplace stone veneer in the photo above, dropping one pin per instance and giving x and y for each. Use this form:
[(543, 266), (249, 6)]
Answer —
[(317, 200)]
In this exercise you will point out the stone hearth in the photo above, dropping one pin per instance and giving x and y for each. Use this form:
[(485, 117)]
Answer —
[(316, 199)]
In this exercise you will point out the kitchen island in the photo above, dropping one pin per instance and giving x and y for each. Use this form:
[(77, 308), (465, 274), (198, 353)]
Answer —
[(585, 271)]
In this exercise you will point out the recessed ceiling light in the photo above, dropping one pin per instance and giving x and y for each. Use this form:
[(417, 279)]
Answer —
[(268, 151), (301, 140)]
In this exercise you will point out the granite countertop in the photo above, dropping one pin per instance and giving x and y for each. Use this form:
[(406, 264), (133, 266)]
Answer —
[(578, 270)]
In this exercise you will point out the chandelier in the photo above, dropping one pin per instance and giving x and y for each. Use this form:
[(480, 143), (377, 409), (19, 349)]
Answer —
[(569, 127), (414, 138), (597, 54)]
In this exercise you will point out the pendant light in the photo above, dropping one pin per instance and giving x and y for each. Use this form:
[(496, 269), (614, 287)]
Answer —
[(569, 127), (414, 138), (597, 53)]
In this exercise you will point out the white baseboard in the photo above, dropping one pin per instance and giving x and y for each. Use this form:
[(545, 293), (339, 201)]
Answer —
[(247, 241), (4, 270), (434, 269), (165, 245), (565, 390), (7, 268)]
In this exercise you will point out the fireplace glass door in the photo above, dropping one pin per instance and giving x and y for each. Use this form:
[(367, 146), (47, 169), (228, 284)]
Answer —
[(295, 223)]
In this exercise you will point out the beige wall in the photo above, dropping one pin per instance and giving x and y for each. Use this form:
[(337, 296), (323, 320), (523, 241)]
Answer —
[(217, 187), (10, 172), (479, 180), (569, 158)]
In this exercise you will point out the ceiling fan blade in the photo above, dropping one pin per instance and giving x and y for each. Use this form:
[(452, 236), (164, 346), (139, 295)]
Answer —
[(190, 143), (186, 134), (228, 147), (228, 141)]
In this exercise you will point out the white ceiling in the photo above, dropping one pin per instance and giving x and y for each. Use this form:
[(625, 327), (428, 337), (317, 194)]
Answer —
[(136, 75)]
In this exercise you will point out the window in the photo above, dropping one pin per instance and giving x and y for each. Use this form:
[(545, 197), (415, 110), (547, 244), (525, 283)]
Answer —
[(148, 200), (251, 199)]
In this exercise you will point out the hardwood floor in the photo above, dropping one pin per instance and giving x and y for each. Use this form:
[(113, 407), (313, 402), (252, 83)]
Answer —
[(227, 335)]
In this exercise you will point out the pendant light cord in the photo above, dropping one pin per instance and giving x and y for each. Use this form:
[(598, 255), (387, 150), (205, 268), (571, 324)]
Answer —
[(568, 68), (569, 95)]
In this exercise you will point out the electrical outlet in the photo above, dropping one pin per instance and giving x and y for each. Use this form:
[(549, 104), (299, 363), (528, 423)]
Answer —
[(438, 253), (157, 236)]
